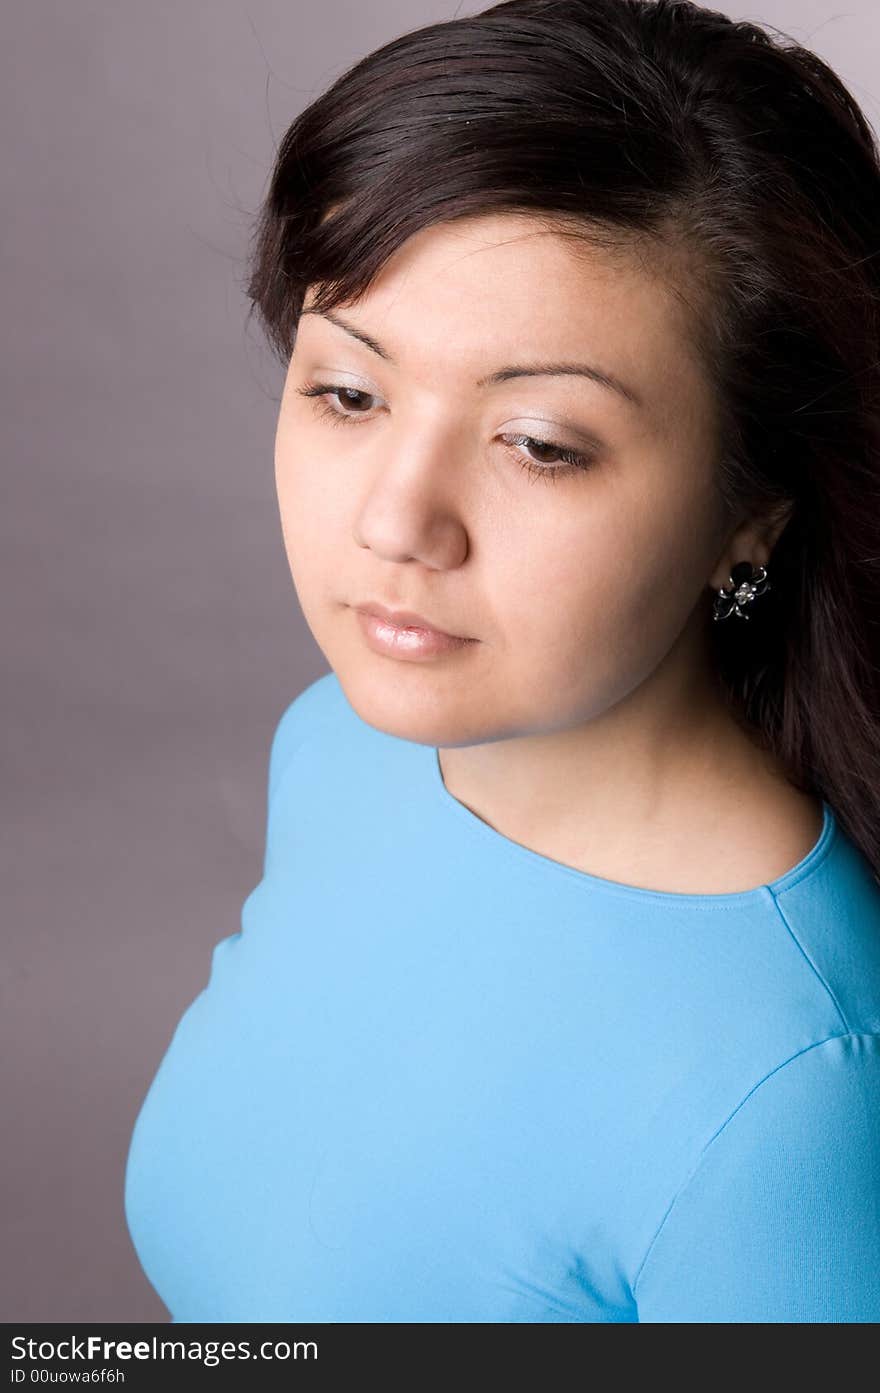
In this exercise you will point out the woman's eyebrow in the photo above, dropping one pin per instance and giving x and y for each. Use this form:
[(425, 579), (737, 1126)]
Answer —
[(603, 379)]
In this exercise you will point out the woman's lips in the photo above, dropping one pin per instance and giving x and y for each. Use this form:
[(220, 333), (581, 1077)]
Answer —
[(402, 634), (403, 618)]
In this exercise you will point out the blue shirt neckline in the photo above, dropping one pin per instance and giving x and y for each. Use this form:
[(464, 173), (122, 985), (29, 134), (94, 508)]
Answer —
[(806, 866)]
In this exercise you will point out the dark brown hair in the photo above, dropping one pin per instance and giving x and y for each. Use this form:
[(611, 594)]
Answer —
[(666, 122)]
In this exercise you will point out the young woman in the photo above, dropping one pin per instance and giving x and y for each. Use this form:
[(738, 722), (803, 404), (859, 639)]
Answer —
[(559, 998)]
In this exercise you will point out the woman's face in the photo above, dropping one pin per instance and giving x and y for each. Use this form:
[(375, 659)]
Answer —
[(412, 486)]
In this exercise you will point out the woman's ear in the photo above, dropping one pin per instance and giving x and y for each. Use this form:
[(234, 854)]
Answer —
[(752, 541), (775, 521)]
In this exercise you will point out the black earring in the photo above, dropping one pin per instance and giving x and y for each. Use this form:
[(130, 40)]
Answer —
[(745, 584)]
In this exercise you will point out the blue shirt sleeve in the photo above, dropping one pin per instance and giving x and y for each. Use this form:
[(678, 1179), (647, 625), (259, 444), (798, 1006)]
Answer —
[(780, 1220)]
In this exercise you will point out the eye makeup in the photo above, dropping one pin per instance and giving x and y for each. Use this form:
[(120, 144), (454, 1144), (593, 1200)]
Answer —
[(572, 461)]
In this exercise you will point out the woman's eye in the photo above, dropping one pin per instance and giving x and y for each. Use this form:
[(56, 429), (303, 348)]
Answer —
[(350, 405), (345, 396), (571, 460)]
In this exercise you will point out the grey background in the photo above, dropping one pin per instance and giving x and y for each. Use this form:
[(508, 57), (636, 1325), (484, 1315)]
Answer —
[(150, 632)]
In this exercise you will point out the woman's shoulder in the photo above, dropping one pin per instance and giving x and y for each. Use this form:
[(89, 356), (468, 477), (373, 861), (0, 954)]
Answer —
[(317, 699), (830, 905), (307, 714), (778, 1219)]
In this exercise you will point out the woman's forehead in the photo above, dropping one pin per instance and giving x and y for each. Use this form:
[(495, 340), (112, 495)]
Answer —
[(485, 298)]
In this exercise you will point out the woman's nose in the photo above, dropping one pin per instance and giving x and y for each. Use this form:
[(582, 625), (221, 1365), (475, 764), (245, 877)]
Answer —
[(411, 508)]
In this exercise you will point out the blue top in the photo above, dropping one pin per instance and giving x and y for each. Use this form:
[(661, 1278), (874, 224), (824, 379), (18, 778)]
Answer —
[(438, 1076)]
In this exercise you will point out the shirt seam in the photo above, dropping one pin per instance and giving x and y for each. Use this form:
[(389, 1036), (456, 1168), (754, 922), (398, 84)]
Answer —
[(290, 757), (819, 975), (842, 1035), (315, 720), (287, 758)]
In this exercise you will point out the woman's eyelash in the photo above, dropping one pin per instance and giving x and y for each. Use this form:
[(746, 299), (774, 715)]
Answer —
[(572, 460)]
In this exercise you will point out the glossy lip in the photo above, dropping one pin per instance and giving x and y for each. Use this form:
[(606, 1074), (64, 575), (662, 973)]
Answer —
[(404, 619), (409, 642)]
